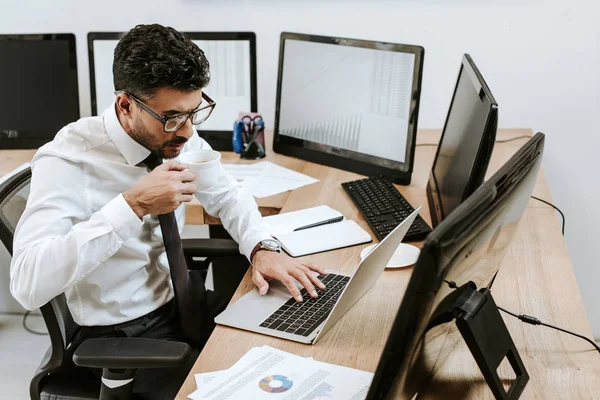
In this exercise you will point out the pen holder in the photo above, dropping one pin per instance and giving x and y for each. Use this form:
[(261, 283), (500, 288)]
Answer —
[(249, 136)]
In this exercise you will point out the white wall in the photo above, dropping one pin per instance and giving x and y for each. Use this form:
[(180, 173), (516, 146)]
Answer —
[(540, 58)]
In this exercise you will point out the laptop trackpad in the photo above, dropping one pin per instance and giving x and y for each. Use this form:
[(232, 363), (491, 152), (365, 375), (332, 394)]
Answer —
[(252, 308)]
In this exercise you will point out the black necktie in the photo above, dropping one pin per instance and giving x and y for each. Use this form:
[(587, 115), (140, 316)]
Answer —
[(190, 294)]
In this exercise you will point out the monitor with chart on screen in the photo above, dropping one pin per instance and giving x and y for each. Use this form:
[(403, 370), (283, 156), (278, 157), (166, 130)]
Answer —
[(351, 104), (232, 58)]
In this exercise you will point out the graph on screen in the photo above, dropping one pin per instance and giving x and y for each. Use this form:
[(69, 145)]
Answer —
[(229, 87), (347, 97)]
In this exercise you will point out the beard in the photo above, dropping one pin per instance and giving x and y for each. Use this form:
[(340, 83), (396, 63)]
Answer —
[(143, 136)]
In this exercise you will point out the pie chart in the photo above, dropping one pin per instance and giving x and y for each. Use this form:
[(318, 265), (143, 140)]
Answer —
[(275, 384)]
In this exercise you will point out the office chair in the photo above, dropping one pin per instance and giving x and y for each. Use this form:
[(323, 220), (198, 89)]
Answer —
[(58, 375)]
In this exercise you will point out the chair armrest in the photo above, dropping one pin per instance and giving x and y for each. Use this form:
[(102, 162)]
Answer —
[(130, 353), (210, 247)]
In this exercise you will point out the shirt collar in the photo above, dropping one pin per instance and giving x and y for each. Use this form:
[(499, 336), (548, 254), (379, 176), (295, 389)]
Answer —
[(133, 152)]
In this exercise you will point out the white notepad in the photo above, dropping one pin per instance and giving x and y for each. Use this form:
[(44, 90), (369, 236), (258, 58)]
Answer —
[(315, 240)]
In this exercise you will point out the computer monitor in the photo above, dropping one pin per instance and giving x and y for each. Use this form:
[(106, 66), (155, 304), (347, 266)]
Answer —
[(466, 144), (468, 246), (232, 58), (40, 94), (350, 104)]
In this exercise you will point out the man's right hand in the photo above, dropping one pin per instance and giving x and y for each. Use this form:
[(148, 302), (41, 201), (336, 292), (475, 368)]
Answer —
[(162, 190)]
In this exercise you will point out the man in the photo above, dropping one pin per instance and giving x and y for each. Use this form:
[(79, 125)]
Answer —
[(90, 228)]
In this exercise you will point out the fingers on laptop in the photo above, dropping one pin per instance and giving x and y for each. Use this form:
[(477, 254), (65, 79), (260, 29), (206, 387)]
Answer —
[(312, 277), (290, 283), (313, 267), (304, 280)]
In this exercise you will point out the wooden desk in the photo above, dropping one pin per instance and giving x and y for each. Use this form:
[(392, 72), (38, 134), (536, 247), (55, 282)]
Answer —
[(11, 159), (535, 278)]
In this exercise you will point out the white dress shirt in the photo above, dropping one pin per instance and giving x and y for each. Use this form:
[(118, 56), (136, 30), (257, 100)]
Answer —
[(79, 236)]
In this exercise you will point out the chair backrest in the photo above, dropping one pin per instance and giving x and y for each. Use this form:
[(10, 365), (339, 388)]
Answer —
[(14, 193)]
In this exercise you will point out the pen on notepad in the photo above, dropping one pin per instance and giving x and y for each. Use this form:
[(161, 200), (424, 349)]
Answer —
[(328, 221)]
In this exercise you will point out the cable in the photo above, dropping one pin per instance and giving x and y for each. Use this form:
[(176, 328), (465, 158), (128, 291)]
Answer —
[(29, 329), (534, 321), (528, 319), (452, 284), (557, 209), (497, 141)]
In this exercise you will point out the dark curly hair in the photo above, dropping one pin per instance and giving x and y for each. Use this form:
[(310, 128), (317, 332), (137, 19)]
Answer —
[(150, 57)]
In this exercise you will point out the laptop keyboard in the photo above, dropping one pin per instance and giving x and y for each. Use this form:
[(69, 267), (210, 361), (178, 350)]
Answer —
[(303, 318)]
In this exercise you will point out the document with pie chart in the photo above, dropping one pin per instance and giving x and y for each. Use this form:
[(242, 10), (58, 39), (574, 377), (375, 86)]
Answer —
[(272, 374)]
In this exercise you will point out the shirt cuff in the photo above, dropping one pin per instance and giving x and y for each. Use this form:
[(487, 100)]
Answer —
[(122, 218), (252, 240)]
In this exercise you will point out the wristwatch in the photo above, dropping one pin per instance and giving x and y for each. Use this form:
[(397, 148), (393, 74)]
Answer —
[(266, 244)]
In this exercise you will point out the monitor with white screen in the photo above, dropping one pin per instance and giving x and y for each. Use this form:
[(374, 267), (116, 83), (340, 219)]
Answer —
[(351, 104), (232, 58)]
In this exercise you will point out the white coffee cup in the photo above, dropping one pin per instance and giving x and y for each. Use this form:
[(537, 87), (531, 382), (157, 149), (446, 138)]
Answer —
[(206, 164)]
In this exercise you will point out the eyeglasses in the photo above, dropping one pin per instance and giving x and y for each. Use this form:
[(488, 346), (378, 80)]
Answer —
[(173, 123)]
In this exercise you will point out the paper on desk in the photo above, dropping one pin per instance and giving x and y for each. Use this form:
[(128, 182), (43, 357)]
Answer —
[(264, 179), (265, 371), (204, 378), (242, 172)]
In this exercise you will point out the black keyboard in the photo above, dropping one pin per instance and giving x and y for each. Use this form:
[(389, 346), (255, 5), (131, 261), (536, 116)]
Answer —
[(384, 207), (302, 318)]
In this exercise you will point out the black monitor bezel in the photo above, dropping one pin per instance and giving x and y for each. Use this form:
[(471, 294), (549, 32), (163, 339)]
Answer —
[(25, 143), (344, 159), (218, 139), (429, 271), (484, 152)]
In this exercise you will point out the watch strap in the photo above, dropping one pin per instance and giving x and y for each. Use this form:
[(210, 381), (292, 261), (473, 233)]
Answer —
[(254, 250)]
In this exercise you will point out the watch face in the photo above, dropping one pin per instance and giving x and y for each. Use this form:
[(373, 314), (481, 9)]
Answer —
[(271, 244)]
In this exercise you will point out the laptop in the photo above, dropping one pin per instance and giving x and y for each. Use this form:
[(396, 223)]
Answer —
[(278, 314)]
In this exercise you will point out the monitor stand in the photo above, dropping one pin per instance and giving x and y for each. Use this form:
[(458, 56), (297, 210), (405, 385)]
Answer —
[(484, 332)]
